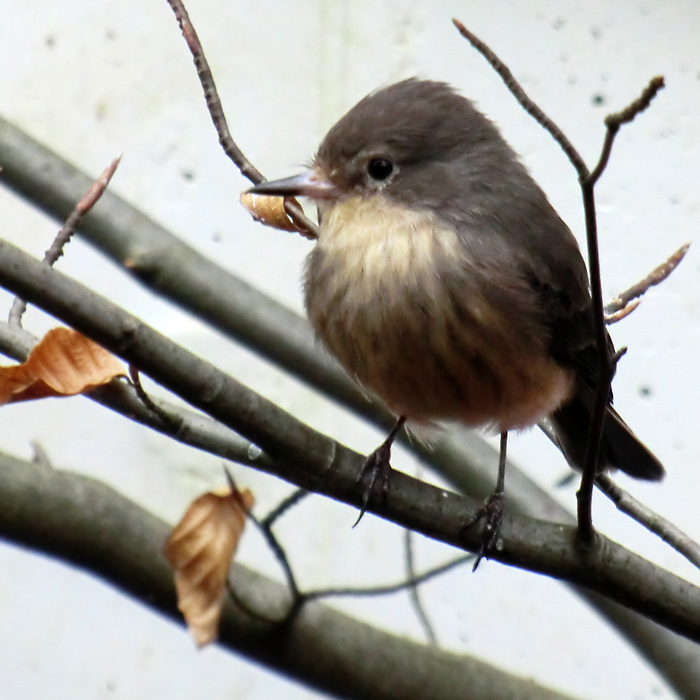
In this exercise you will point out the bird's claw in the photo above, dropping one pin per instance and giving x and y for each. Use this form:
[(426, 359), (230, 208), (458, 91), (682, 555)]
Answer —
[(491, 514), (376, 466)]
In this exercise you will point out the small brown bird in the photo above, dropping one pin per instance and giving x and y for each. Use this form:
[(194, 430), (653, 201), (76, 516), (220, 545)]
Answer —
[(445, 282)]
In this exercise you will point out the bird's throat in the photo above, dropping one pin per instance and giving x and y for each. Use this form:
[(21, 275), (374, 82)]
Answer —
[(376, 242)]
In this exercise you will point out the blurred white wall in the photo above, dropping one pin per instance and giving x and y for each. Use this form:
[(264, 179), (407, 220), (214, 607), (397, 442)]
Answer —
[(92, 78)]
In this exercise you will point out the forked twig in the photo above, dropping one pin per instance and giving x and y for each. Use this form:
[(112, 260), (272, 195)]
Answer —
[(614, 121), (626, 302), (272, 541), (264, 525), (607, 364), (587, 181)]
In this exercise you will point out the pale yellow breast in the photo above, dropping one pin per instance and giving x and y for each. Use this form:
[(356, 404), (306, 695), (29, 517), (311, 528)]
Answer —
[(378, 241)]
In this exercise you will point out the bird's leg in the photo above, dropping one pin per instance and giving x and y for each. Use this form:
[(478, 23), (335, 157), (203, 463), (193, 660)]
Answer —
[(377, 466), (491, 512)]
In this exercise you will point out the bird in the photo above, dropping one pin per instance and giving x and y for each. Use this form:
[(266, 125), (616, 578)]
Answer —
[(446, 284)]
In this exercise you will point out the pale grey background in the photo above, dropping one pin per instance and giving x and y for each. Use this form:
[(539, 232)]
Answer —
[(93, 78)]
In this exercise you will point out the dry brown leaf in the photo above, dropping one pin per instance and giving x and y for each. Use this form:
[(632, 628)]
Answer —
[(200, 550), (63, 363), (268, 210)]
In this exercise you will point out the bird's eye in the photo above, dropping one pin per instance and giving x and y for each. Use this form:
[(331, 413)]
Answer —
[(380, 168)]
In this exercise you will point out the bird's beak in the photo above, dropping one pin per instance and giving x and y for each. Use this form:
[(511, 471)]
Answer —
[(311, 183)]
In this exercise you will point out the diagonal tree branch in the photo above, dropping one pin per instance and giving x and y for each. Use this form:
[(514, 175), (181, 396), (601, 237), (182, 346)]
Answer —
[(667, 531), (317, 463)]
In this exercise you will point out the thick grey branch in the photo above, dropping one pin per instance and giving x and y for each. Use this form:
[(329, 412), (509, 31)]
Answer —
[(86, 523)]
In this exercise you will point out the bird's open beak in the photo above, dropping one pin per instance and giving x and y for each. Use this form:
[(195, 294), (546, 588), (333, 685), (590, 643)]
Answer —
[(310, 183)]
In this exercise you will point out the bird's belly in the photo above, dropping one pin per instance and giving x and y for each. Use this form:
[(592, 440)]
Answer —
[(429, 375), (383, 306), (430, 366)]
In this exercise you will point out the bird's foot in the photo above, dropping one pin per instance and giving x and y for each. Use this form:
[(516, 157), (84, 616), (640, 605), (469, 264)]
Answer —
[(491, 514), (375, 470)]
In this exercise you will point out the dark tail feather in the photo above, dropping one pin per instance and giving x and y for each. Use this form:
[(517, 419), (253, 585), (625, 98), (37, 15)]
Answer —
[(620, 448)]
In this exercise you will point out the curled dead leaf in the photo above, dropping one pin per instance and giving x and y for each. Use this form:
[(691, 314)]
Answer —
[(268, 210), (200, 550), (63, 363)]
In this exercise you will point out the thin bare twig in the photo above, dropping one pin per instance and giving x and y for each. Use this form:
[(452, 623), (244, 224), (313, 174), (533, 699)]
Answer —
[(211, 95), (280, 555), (55, 251), (606, 370), (629, 298), (652, 521), (614, 121), (389, 588), (173, 421), (626, 115), (272, 543), (616, 316), (522, 97), (413, 591), (295, 497)]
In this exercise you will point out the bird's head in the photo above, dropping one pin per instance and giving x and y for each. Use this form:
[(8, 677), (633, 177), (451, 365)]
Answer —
[(411, 142)]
